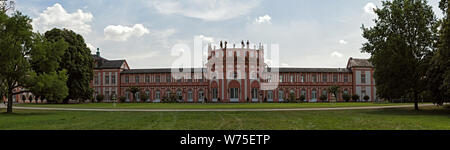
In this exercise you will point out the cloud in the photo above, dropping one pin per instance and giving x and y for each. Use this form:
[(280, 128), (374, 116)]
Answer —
[(164, 33), (337, 54), (263, 19), (57, 17), (91, 47), (369, 8), (217, 10), (343, 42), (205, 39), (284, 65), (123, 33)]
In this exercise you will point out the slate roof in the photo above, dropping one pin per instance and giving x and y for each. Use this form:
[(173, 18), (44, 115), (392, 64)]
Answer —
[(111, 64), (354, 62), (107, 64), (314, 70), (157, 70), (281, 70)]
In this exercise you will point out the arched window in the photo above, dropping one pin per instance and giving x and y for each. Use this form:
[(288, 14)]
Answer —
[(281, 95), (201, 96), (179, 94), (254, 93), (314, 95), (147, 92), (158, 95), (270, 96)]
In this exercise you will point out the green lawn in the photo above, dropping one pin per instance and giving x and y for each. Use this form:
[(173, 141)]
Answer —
[(210, 106), (429, 118)]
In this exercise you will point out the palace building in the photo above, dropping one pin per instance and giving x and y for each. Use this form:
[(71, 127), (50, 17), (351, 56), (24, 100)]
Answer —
[(233, 75)]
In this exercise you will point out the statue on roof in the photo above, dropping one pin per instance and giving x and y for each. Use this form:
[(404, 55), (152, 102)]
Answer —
[(243, 44)]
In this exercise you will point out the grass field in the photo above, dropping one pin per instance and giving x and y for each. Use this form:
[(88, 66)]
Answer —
[(429, 118), (210, 106)]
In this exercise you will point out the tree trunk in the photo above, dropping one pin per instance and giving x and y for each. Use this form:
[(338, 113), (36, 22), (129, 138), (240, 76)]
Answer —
[(10, 102), (416, 101)]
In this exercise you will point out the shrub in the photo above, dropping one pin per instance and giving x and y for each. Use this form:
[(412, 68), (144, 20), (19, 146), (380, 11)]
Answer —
[(355, 97), (346, 97), (100, 98), (122, 99), (323, 98), (366, 98), (302, 98), (291, 97), (143, 97)]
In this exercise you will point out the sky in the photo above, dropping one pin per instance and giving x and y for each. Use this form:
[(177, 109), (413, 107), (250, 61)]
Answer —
[(310, 33)]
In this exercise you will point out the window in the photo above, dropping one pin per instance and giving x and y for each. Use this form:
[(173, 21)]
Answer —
[(254, 93), (363, 78), (113, 79), (168, 79), (147, 79), (96, 80), (303, 92), (324, 78), (281, 95), (314, 78), (345, 78), (324, 92), (281, 78), (179, 94), (234, 93), (158, 79), (292, 78), (190, 96), (158, 95), (270, 95), (303, 78), (314, 94), (147, 92), (136, 78), (168, 94), (127, 79), (137, 96), (107, 95), (214, 93), (201, 96), (107, 79), (335, 78), (346, 92)]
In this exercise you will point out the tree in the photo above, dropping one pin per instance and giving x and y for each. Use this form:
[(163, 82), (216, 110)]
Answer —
[(334, 90), (404, 34), (438, 74), (133, 90), (78, 62), (5, 6), (18, 46)]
